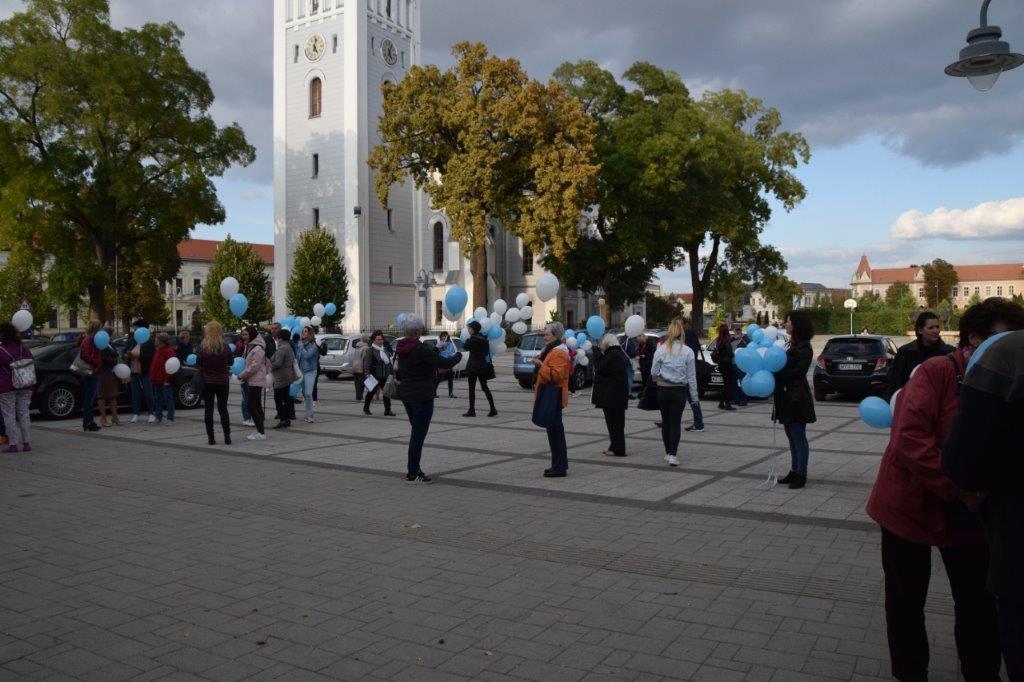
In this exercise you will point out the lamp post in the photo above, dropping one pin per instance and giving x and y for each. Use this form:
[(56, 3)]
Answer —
[(985, 56), (425, 280)]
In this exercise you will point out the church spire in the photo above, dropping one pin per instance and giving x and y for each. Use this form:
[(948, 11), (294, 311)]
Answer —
[(863, 267)]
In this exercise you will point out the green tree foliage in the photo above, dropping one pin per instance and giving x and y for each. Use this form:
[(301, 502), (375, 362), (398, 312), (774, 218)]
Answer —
[(899, 297), (318, 276), (135, 294), (780, 290), (869, 300), (21, 280), (661, 310), (486, 142), (729, 291), (975, 299), (238, 260), (106, 144), (1018, 299), (945, 312), (939, 279)]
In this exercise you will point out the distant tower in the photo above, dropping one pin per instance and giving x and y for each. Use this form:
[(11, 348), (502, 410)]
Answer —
[(330, 59)]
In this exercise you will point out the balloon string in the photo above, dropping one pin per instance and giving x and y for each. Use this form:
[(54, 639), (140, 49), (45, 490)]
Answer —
[(773, 479)]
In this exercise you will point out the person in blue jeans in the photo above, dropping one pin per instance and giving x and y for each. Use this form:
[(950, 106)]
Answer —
[(308, 356), (90, 384), (794, 404)]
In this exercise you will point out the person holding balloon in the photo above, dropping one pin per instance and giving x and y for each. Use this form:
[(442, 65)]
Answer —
[(479, 368), (919, 506), (185, 347), (253, 374), (308, 356), (214, 360), (446, 347), (725, 357), (282, 365), (161, 379), (109, 385), (674, 371), (90, 354), (794, 404), (140, 357)]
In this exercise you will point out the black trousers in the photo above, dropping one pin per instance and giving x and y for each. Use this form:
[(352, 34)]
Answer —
[(218, 392), (559, 450), (371, 394), (256, 407), (672, 402), (908, 567), (450, 376), (728, 371), (472, 391), (284, 404), (1011, 630), (358, 380), (615, 420)]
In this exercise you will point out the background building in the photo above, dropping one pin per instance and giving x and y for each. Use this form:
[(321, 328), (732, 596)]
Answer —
[(1004, 280)]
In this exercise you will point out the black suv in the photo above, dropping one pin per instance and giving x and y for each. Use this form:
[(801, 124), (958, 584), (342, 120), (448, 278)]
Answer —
[(856, 365)]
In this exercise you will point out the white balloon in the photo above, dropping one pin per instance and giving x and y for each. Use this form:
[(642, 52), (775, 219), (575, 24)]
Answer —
[(892, 400), (582, 360), (465, 334), (571, 342), (634, 326), (495, 319), (315, 320), (480, 314), (781, 343), (762, 351), (587, 345), (771, 332), (485, 325), (122, 371), (512, 315), (228, 287), (520, 328), (526, 313), (547, 286), (319, 310), (22, 320), (523, 300), (500, 306), (172, 365)]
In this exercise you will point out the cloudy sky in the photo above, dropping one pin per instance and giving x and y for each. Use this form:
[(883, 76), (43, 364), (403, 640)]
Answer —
[(908, 164)]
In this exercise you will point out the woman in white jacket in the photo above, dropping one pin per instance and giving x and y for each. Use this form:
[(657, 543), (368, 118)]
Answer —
[(675, 373)]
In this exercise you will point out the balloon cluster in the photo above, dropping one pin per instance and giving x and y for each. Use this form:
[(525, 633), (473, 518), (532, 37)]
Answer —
[(764, 355)]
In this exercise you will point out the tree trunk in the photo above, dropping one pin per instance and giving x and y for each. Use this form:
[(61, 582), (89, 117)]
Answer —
[(697, 311), (478, 267), (97, 301)]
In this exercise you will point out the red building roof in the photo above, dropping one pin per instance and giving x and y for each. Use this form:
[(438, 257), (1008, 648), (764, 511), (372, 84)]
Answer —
[(203, 250)]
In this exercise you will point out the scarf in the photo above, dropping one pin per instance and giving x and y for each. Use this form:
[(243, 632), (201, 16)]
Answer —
[(550, 347)]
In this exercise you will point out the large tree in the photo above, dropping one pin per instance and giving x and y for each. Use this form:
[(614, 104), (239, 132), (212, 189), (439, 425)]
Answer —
[(488, 143), (108, 146), (134, 294), (899, 297), (318, 276), (238, 260), (939, 279), (780, 291)]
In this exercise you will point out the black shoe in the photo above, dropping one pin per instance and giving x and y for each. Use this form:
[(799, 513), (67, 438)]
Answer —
[(657, 425), (787, 478), (389, 413), (283, 425), (227, 439), (418, 478), (91, 427), (492, 413), (721, 405), (729, 408), (799, 481), (554, 473), (452, 396), (471, 413), (367, 412), (694, 428), (211, 440)]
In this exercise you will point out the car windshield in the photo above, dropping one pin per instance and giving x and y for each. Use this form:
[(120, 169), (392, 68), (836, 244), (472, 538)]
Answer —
[(335, 344), (857, 348), (531, 342)]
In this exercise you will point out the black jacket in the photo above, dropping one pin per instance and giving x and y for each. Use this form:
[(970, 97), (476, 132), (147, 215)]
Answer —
[(693, 341), (610, 379), (183, 351), (910, 356), (378, 368), (725, 354), (478, 348), (794, 403), (417, 368)]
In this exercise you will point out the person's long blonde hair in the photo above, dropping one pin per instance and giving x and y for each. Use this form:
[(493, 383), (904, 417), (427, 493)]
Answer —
[(213, 338), (675, 333)]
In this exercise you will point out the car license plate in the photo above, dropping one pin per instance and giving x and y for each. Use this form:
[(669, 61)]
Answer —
[(716, 379), (849, 367)]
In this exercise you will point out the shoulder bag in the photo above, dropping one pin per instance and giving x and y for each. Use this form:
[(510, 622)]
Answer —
[(80, 367), (392, 384), (23, 371), (547, 408)]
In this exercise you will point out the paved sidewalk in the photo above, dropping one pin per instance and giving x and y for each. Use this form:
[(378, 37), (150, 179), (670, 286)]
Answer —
[(143, 552)]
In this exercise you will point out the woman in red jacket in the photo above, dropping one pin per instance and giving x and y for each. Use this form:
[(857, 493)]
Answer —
[(163, 395), (919, 507), (90, 384)]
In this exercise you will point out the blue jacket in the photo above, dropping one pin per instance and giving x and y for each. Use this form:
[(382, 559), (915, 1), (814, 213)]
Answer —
[(449, 349), (307, 354)]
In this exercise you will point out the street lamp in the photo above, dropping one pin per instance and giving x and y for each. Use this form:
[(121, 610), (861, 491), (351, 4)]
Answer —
[(985, 56), (424, 280)]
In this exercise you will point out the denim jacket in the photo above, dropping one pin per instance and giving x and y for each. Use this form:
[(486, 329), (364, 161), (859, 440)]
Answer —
[(308, 355), (679, 368)]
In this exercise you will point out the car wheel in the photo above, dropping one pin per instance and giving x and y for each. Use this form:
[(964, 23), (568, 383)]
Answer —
[(819, 395), (60, 401), (332, 375), (186, 398), (526, 383)]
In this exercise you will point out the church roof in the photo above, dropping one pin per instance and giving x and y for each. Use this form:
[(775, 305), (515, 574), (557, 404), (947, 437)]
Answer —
[(863, 266), (203, 250)]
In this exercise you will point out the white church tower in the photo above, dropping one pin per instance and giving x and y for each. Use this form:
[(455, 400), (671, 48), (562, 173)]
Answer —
[(330, 59)]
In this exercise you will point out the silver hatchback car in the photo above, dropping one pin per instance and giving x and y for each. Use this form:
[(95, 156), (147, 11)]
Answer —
[(338, 361)]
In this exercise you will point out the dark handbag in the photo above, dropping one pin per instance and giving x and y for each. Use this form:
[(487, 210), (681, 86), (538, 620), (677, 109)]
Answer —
[(649, 398), (547, 408)]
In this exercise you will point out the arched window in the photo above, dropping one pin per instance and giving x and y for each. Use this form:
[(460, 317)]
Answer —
[(438, 247), (316, 88)]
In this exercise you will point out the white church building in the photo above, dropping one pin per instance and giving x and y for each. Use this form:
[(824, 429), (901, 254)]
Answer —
[(330, 59)]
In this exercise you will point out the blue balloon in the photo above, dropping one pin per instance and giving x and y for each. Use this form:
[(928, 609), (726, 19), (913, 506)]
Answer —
[(979, 351), (751, 328), (875, 412), (774, 359), (749, 360), (191, 359), (294, 389), (400, 320), (238, 304), (141, 335), (568, 333), (238, 366), (757, 336), (330, 308), (456, 299), (745, 384), (762, 384), (595, 327), (296, 329), (581, 338), (494, 332), (101, 340)]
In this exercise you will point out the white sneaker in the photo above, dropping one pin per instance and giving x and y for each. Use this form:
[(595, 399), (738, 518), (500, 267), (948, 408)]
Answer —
[(673, 461), (309, 420), (256, 436), (135, 419), (248, 422), (152, 419), (169, 422), (314, 403)]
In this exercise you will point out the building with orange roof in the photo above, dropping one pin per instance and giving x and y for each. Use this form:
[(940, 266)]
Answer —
[(1005, 280)]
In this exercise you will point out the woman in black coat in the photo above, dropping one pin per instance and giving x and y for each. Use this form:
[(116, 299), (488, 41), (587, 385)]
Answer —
[(725, 356), (379, 365), (479, 368), (611, 391), (794, 404)]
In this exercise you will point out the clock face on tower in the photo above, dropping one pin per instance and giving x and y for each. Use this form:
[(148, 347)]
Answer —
[(315, 47), (389, 52)]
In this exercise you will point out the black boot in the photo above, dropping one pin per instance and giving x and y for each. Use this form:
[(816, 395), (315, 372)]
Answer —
[(493, 412), (799, 481), (787, 478), (471, 413)]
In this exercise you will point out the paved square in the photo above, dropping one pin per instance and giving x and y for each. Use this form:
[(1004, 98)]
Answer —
[(143, 552)]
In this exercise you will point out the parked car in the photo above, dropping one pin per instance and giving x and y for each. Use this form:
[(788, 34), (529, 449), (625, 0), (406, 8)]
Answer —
[(337, 362), (523, 369), (431, 340), (857, 365), (58, 392), (64, 337), (708, 377)]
